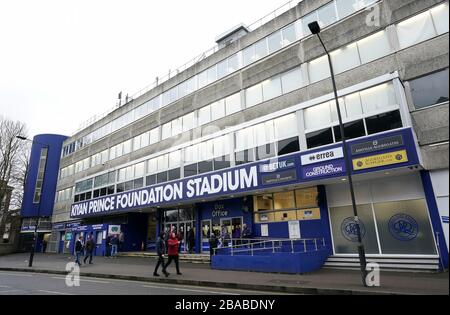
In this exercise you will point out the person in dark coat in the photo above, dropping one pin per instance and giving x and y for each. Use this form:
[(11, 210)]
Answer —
[(90, 246), (174, 244), (161, 251), (108, 246), (213, 244), (191, 240), (79, 249)]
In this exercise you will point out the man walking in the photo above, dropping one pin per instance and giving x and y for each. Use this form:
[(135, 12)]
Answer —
[(90, 246), (114, 244), (161, 251), (78, 249)]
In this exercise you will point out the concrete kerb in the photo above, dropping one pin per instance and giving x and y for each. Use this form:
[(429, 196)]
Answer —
[(236, 286)]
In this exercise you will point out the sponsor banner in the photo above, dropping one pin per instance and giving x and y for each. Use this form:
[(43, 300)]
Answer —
[(279, 178), (377, 145), (277, 166), (59, 226), (114, 230), (375, 161), (333, 168), (322, 156)]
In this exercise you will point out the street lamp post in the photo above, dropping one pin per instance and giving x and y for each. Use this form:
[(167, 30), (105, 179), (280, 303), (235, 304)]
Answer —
[(36, 227), (314, 27)]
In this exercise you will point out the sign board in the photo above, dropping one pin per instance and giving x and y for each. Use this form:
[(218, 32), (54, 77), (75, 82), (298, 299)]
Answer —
[(386, 159), (323, 156), (378, 145), (294, 230), (264, 230), (328, 169), (114, 230), (309, 214)]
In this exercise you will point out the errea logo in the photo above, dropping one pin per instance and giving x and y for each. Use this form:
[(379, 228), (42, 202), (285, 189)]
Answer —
[(322, 156)]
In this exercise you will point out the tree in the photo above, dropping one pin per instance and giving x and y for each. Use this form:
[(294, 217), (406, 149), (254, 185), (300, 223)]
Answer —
[(13, 164)]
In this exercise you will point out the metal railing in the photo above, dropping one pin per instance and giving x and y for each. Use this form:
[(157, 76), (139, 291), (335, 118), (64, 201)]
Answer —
[(255, 246), (159, 80)]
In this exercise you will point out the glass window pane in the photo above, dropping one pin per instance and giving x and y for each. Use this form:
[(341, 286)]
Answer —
[(319, 138), (415, 30), (440, 18), (288, 146), (286, 126), (212, 74), (261, 49), (384, 122), (319, 69), (312, 17), (205, 167), (266, 151), (154, 136), (202, 79), (284, 200), (204, 115), (190, 170), (136, 143), (191, 85), (317, 116), (163, 162), (430, 90), (346, 7), (344, 230), (345, 58), (222, 69), (233, 63), (352, 130), (289, 35), (175, 159), (233, 104), (292, 80), (374, 47), (379, 97), (327, 15), (404, 228), (152, 166), (188, 121), (245, 139), (248, 55), (166, 131), (275, 42), (253, 95), (264, 133), (145, 139), (218, 110), (264, 202), (271, 88), (206, 150), (245, 156), (177, 126)]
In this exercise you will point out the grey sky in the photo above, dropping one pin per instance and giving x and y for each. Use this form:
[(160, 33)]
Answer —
[(61, 61)]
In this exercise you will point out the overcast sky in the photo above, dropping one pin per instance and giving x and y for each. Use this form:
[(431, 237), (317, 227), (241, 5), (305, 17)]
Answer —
[(64, 61)]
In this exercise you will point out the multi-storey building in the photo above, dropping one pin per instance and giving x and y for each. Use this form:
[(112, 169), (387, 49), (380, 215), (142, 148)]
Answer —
[(249, 135)]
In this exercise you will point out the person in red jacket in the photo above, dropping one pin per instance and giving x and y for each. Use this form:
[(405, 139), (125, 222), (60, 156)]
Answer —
[(173, 246)]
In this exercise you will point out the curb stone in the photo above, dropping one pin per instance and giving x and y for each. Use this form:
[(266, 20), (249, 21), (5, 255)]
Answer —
[(240, 286)]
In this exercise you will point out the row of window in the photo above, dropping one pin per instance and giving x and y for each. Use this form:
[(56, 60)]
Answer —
[(327, 15), (317, 117), (40, 177)]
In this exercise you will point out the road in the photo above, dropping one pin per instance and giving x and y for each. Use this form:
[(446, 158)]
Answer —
[(15, 283)]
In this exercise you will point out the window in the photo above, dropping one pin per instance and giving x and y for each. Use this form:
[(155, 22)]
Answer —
[(127, 147), (271, 88), (288, 146), (206, 150), (260, 49), (233, 104), (248, 55), (264, 133), (292, 80), (317, 116), (218, 110), (346, 7), (190, 170), (289, 35), (177, 126), (205, 167), (188, 122), (221, 146), (374, 47), (152, 166), (327, 15), (175, 159), (306, 20), (222, 69), (245, 156), (378, 97), (284, 200), (202, 79), (154, 136), (286, 126), (353, 106), (275, 42), (265, 151), (139, 170), (319, 69), (145, 140), (233, 63), (253, 95), (212, 74), (352, 130), (244, 139), (430, 90), (384, 122), (319, 138), (163, 162), (345, 58), (415, 30), (191, 154), (204, 115), (440, 18), (166, 130)]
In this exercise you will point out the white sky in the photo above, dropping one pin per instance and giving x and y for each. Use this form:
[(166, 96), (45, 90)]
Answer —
[(64, 61)]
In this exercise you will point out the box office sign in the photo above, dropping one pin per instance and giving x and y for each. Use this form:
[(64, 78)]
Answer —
[(377, 145), (375, 161)]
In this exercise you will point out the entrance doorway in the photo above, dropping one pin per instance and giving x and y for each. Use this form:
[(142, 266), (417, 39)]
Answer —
[(233, 227), (206, 235), (179, 220)]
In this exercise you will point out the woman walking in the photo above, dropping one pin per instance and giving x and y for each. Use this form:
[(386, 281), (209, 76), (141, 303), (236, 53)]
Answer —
[(173, 245)]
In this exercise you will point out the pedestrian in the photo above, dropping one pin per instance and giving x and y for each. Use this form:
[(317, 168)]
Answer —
[(191, 240), (161, 251), (78, 249), (213, 244), (44, 246), (173, 252), (180, 238), (108, 246), (246, 233), (114, 244), (90, 246), (237, 235)]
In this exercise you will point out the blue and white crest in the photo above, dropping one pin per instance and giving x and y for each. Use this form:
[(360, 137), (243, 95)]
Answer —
[(349, 229), (403, 227)]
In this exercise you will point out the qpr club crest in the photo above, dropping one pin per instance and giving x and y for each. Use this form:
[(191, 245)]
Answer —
[(403, 227), (349, 229)]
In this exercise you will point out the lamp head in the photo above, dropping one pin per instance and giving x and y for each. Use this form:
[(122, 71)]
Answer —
[(314, 27)]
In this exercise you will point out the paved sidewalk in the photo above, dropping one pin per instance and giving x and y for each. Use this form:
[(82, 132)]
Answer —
[(325, 281)]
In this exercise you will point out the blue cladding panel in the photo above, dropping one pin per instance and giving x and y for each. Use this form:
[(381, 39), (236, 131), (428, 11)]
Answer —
[(29, 209)]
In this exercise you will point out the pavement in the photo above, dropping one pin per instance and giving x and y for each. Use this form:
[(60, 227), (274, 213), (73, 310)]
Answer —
[(325, 281)]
